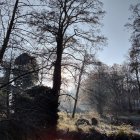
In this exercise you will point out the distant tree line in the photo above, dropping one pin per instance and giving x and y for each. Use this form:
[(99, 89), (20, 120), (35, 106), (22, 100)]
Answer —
[(112, 89), (117, 88)]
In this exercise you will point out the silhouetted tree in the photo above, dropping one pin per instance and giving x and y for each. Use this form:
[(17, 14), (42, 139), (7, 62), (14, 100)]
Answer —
[(62, 25), (37, 107), (24, 64), (88, 60), (9, 31)]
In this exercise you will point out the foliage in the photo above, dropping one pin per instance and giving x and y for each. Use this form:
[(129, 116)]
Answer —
[(25, 63), (37, 107)]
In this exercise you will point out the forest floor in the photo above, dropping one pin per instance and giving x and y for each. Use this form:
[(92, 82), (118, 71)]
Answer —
[(66, 122), (68, 130)]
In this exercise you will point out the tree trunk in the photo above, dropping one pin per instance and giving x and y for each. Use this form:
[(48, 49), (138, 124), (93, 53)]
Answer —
[(78, 87), (57, 82), (130, 105), (7, 98), (7, 67), (57, 69), (9, 30), (138, 82)]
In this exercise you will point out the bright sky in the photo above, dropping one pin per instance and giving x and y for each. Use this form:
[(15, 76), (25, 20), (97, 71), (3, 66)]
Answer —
[(118, 36)]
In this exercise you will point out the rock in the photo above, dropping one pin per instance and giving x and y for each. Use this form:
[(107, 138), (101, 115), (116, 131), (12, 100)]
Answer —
[(82, 122), (94, 121)]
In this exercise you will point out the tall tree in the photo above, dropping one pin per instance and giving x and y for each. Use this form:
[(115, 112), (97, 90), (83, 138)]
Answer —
[(13, 27), (9, 31), (134, 51), (79, 83), (63, 23)]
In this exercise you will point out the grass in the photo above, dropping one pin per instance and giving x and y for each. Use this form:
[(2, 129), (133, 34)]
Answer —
[(66, 123), (67, 130)]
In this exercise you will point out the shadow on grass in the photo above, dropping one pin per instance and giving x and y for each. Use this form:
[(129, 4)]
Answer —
[(11, 130), (94, 135)]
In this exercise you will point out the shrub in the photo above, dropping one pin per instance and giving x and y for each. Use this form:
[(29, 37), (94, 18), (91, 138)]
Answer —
[(38, 106)]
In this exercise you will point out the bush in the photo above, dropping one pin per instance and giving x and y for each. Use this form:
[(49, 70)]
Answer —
[(38, 107), (12, 130)]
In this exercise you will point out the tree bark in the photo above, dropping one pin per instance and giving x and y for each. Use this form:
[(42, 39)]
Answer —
[(78, 87), (57, 69), (57, 82), (9, 30)]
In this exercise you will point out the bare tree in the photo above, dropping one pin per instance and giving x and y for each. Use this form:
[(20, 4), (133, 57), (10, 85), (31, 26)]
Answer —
[(58, 19), (79, 83), (9, 30), (134, 52), (87, 62), (63, 24)]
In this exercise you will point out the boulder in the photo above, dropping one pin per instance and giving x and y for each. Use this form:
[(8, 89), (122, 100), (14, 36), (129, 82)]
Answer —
[(82, 122), (94, 121)]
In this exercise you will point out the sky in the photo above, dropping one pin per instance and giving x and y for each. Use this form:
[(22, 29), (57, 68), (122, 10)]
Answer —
[(117, 14)]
